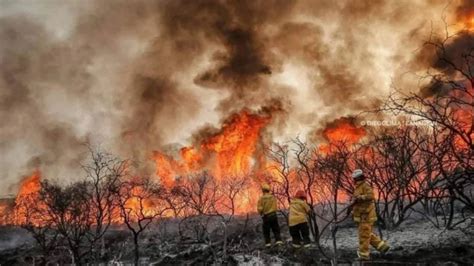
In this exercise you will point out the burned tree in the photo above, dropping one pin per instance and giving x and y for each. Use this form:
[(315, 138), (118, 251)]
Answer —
[(231, 191), (394, 164), (200, 195), (138, 203), (282, 175), (309, 176), (31, 214), (447, 102), (78, 214), (333, 167), (69, 212), (103, 172), (231, 195)]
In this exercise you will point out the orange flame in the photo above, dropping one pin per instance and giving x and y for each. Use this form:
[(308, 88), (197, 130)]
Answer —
[(465, 119), (467, 21), (230, 152), (139, 206), (234, 147), (27, 196), (341, 130), (30, 185), (226, 154)]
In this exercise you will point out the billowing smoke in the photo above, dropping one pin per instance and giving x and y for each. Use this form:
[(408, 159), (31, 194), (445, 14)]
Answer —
[(449, 52), (137, 76)]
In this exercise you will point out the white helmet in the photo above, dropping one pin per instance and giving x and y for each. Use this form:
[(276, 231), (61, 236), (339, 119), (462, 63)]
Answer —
[(357, 173)]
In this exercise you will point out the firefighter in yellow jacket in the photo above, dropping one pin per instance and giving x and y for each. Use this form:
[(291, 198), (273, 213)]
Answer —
[(267, 208), (364, 215), (298, 220)]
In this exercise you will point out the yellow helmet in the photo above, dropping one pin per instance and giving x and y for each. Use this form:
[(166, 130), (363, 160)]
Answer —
[(265, 187)]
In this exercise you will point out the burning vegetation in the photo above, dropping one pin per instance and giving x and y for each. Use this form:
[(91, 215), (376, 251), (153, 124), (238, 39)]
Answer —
[(230, 152), (214, 109), (342, 130)]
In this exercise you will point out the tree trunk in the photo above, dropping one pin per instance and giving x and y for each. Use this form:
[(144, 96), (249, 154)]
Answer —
[(313, 225), (137, 250), (224, 249), (451, 210), (334, 244), (102, 247), (335, 226), (76, 259)]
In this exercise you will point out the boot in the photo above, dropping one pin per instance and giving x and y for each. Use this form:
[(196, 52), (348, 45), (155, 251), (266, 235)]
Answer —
[(383, 247), (363, 256)]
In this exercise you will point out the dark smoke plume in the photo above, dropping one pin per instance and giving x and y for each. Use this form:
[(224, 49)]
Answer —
[(137, 76)]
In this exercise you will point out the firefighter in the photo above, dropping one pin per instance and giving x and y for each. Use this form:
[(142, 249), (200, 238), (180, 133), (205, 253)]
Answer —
[(267, 208), (363, 213), (298, 220)]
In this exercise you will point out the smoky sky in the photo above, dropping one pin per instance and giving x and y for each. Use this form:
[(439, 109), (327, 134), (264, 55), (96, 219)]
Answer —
[(138, 76)]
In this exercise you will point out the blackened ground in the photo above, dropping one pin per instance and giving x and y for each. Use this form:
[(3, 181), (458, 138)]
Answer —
[(416, 242)]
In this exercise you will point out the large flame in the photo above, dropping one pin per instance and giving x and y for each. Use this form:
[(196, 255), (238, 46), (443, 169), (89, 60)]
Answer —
[(30, 185), (27, 196), (230, 152), (341, 130), (234, 147)]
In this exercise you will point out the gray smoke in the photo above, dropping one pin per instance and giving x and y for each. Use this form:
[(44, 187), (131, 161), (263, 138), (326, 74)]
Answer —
[(136, 76)]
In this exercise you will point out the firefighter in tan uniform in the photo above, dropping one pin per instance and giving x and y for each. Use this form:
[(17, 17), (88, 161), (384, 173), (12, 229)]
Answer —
[(267, 208), (364, 215), (298, 220)]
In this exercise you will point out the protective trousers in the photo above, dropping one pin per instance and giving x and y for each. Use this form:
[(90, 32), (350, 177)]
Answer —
[(300, 232), (366, 237), (270, 223)]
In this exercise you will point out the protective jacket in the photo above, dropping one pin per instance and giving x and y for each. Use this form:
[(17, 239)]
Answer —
[(299, 210), (267, 204), (364, 206)]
